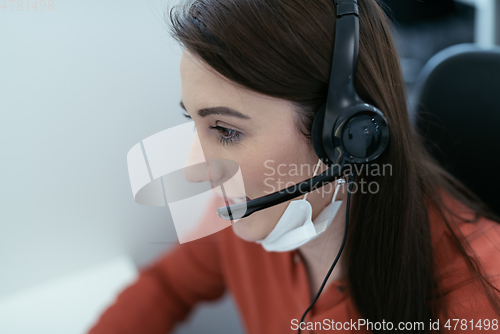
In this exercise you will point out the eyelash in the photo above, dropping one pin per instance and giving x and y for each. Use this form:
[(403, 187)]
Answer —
[(223, 139)]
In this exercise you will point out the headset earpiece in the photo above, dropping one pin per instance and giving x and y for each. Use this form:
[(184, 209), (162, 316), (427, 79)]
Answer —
[(364, 137), (360, 134)]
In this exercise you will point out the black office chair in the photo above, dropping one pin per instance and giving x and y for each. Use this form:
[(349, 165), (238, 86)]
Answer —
[(457, 109)]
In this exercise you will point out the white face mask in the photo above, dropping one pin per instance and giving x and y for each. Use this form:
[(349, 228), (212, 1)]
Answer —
[(295, 227)]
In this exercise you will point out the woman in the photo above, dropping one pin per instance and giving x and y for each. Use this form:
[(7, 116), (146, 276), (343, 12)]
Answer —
[(420, 249)]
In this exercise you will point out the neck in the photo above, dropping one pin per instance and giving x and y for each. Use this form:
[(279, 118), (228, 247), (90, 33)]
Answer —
[(319, 253)]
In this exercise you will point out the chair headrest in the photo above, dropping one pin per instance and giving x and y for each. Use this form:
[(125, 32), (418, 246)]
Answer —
[(457, 109)]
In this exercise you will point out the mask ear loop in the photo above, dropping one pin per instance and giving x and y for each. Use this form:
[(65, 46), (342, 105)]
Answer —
[(339, 182), (315, 171)]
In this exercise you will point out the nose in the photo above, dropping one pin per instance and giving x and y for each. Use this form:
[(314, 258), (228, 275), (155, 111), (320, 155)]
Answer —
[(199, 167), (195, 168)]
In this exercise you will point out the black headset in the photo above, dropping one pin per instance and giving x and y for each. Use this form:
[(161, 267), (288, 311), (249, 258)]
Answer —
[(345, 128)]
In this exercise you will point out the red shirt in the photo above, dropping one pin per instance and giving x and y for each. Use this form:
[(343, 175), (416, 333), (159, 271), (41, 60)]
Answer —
[(271, 289)]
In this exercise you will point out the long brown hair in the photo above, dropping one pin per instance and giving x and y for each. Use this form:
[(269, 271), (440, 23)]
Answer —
[(284, 49)]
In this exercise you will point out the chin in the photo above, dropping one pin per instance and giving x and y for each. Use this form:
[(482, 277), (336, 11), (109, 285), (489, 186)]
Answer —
[(258, 225), (248, 229)]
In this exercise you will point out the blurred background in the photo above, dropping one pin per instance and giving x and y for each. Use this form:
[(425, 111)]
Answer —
[(80, 84)]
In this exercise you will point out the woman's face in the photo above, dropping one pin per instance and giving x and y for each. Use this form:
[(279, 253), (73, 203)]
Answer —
[(261, 136)]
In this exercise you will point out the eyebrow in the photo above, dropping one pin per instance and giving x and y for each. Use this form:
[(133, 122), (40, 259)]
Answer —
[(224, 111)]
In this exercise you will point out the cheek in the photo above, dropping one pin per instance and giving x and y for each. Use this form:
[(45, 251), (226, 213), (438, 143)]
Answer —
[(279, 170), (261, 178)]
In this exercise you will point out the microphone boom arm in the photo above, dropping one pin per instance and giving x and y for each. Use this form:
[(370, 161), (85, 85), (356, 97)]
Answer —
[(242, 210)]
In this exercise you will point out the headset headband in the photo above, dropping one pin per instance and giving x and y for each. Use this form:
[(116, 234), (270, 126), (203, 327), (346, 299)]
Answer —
[(341, 92)]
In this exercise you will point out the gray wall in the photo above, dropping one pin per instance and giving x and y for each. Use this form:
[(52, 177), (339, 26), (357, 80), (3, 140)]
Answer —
[(79, 86)]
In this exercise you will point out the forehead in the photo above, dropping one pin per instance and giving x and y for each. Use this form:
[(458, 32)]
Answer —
[(203, 87), (200, 81)]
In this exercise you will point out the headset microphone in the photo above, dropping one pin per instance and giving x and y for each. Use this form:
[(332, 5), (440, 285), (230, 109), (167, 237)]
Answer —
[(245, 209)]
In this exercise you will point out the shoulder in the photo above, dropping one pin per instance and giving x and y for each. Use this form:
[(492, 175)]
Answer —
[(459, 288), (479, 237)]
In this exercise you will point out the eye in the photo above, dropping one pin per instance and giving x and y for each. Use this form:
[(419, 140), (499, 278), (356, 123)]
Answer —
[(226, 135), (186, 115)]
